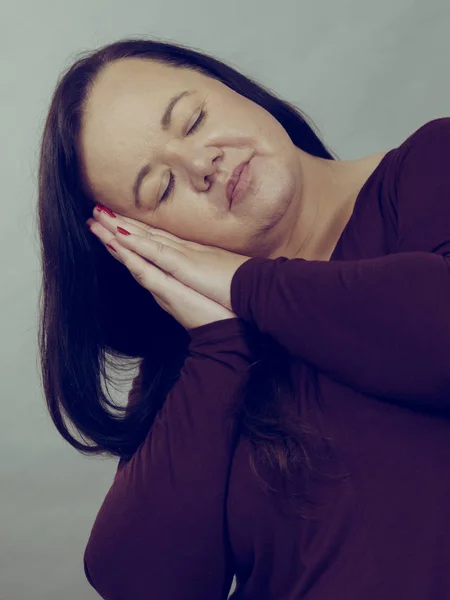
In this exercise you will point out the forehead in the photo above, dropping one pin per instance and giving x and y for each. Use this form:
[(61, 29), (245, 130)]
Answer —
[(122, 114), (134, 79), (124, 93)]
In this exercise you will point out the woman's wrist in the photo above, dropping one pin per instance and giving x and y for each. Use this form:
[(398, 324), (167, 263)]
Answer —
[(220, 337)]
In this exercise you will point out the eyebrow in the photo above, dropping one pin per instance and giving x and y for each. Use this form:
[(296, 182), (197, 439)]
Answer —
[(166, 122)]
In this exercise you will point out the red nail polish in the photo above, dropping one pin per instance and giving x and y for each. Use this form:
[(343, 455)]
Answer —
[(109, 246), (105, 210), (108, 212), (123, 231)]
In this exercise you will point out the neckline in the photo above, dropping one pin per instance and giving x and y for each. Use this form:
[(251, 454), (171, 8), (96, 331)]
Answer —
[(366, 184)]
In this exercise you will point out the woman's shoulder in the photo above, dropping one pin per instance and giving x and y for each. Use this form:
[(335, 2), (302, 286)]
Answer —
[(421, 183), (432, 138)]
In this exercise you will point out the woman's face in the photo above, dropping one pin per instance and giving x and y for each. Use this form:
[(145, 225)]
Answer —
[(212, 130)]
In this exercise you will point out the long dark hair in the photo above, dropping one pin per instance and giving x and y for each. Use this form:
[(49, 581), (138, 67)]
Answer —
[(91, 307)]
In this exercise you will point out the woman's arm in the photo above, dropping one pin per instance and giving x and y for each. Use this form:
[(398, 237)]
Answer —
[(380, 325), (161, 531)]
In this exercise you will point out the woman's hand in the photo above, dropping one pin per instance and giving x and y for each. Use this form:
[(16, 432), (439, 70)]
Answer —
[(206, 269), (189, 307)]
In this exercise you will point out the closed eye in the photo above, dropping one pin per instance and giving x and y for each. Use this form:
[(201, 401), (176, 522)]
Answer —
[(170, 187), (197, 123)]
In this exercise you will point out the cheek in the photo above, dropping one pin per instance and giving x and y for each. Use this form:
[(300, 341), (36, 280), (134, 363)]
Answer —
[(271, 137), (273, 181)]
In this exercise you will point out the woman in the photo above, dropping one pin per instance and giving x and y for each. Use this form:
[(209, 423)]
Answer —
[(291, 320)]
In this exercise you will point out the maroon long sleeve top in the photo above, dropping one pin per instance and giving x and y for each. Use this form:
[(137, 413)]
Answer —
[(186, 513)]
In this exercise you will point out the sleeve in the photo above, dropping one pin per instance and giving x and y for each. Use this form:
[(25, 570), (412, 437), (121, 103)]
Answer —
[(161, 531), (380, 325)]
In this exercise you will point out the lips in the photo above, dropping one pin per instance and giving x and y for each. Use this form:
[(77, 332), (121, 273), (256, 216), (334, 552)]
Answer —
[(234, 179)]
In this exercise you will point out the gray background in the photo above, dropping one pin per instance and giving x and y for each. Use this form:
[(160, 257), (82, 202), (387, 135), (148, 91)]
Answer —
[(367, 73)]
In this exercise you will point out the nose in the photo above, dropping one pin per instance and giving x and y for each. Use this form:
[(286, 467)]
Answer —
[(191, 161)]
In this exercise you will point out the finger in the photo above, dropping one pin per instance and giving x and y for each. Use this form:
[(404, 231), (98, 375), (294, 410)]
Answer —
[(112, 220), (164, 233), (164, 253), (102, 234), (156, 231), (106, 232), (148, 275), (111, 223), (152, 237)]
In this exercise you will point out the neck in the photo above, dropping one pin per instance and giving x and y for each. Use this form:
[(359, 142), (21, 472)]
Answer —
[(327, 199)]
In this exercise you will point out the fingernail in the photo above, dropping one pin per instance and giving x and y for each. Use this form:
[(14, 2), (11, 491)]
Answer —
[(105, 210), (123, 231), (109, 246)]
